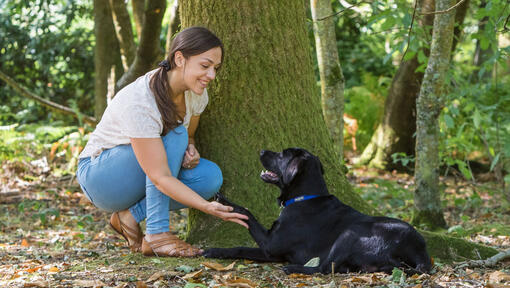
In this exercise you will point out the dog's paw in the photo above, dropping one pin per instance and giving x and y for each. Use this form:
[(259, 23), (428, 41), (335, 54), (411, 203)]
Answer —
[(296, 268), (223, 200), (213, 253)]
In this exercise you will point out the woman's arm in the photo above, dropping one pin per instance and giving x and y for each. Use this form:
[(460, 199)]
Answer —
[(191, 157), (192, 128), (151, 156)]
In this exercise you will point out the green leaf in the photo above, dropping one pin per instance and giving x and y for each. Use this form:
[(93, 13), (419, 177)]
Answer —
[(495, 161), (396, 275), (422, 58), (185, 268), (448, 121), (476, 119)]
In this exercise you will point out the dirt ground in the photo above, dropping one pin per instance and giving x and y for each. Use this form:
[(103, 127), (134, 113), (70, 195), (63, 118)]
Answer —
[(51, 236)]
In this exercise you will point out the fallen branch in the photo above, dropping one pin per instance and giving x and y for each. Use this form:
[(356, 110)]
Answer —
[(52, 105), (489, 262)]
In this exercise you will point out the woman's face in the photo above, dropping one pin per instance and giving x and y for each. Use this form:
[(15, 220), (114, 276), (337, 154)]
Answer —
[(200, 69)]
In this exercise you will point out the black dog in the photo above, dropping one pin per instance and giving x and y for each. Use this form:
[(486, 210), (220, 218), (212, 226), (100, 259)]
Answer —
[(316, 224)]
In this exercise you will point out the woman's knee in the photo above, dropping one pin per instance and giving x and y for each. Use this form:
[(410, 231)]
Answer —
[(176, 139), (216, 178)]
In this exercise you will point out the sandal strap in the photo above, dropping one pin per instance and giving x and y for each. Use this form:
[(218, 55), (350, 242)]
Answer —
[(180, 247)]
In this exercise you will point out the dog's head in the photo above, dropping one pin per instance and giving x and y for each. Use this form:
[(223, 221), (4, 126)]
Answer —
[(291, 169)]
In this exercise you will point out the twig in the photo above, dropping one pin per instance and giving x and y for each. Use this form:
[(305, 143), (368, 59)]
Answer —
[(409, 33), (341, 11), (487, 262), (444, 11)]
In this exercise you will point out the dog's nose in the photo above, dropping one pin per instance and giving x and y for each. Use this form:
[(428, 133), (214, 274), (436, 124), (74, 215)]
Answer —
[(262, 152)]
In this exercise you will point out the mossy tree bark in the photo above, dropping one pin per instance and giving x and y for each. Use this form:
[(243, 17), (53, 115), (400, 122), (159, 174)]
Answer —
[(264, 98), (173, 24), (427, 201), (330, 70), (106, 54), (395, 132)]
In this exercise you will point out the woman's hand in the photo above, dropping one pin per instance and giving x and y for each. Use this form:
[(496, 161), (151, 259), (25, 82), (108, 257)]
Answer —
[(191, 157), (224, 212)]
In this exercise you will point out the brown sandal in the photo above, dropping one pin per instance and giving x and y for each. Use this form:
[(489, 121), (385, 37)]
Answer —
[(175, 247), (129, 233)]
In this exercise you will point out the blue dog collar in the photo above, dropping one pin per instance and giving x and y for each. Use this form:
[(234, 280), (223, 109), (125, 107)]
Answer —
[(299, 199)]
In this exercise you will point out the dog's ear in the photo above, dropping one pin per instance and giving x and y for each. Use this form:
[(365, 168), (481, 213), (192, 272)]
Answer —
[(320, 164), (292, 169)]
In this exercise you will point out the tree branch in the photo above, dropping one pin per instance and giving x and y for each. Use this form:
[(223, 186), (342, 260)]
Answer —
[(487, 262), (52, 105), (444, 11), (124, 32)]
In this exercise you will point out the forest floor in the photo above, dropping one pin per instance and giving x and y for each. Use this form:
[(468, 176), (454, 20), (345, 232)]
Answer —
[(51, 236)]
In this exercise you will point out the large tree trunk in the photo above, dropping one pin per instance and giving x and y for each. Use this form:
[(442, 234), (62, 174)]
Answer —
[(173, 24), (124, 32), (149, 48), (427, 200), (332, 78), (106, 54), (395, 132), (138, 15), (264, 98)]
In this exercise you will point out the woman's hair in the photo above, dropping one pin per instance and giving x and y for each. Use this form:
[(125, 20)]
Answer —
[(190, 41)]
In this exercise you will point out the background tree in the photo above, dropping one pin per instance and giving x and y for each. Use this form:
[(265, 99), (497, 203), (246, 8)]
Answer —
[(330, 70), (429, 104)]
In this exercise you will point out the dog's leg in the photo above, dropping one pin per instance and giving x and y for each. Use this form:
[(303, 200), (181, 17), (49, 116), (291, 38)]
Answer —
[(258, 232), (255, 254), (296, 268)]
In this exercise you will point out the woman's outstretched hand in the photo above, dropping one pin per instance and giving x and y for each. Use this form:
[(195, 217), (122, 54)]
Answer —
[(191, 157), (225, 213)]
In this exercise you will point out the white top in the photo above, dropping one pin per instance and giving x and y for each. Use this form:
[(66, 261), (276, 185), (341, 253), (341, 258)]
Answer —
[(133, 113)]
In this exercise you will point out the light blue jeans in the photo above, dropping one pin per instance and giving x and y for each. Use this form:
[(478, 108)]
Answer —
[(114, 181)]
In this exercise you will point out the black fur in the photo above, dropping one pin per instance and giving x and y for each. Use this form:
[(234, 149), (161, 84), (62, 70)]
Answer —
[(324, 227)]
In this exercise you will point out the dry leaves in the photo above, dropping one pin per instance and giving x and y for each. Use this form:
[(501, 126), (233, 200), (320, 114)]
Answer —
[(218, 266)]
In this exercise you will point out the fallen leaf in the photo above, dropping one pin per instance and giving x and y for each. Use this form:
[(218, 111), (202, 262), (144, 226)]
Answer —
[(241, 282), (32, 270), (155, 276), (37, 284), (498, 277), (218, 266), (88, 283), (299, 276), (53, 269), (193, 274), (25, 243), (141, 284)]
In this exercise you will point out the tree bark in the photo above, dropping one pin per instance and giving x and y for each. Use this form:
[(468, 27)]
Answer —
[(265, 98), (149, 48), (395, 132), (106, 54), (173, 24), (138, 15), (427, 200), (482, 54), (52, 105), (124, 32), (330, 70)]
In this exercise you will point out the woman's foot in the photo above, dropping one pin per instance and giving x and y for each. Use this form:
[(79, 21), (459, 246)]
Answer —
[(125, 224), (169, 245)]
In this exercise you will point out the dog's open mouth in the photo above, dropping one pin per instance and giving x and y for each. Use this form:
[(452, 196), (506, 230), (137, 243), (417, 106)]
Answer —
[(269, 176)]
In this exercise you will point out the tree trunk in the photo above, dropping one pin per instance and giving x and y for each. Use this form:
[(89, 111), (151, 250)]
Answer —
[(173, 24), (482, 54), (265, 98), (427, 200), (138, 15), (149, 48), (332, 78), (124, 32), (395, 132), (260, 99), (106, 54)]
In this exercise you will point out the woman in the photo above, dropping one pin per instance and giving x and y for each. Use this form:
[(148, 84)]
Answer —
[(141, 161)]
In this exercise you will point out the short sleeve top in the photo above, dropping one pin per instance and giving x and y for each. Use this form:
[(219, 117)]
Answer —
[(133, 113)]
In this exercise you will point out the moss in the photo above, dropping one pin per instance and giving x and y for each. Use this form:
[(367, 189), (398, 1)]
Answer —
[(451, 249)]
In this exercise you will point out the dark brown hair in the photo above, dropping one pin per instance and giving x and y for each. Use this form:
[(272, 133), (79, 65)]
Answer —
[(190, 41)]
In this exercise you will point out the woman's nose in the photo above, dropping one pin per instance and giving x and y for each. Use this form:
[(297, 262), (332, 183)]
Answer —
[(211, 74)]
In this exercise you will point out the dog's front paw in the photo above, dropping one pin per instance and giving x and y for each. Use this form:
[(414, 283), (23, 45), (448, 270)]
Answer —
[(212, 253), (295, 268), (223, 200)]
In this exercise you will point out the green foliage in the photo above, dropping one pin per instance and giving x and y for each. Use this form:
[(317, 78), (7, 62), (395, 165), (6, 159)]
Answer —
[(366, 104), (47, 47)]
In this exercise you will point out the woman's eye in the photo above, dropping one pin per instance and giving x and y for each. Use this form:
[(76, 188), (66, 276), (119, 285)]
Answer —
[(205, 66)]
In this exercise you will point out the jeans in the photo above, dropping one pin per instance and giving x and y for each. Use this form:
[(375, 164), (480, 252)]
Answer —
[(114, 181)]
